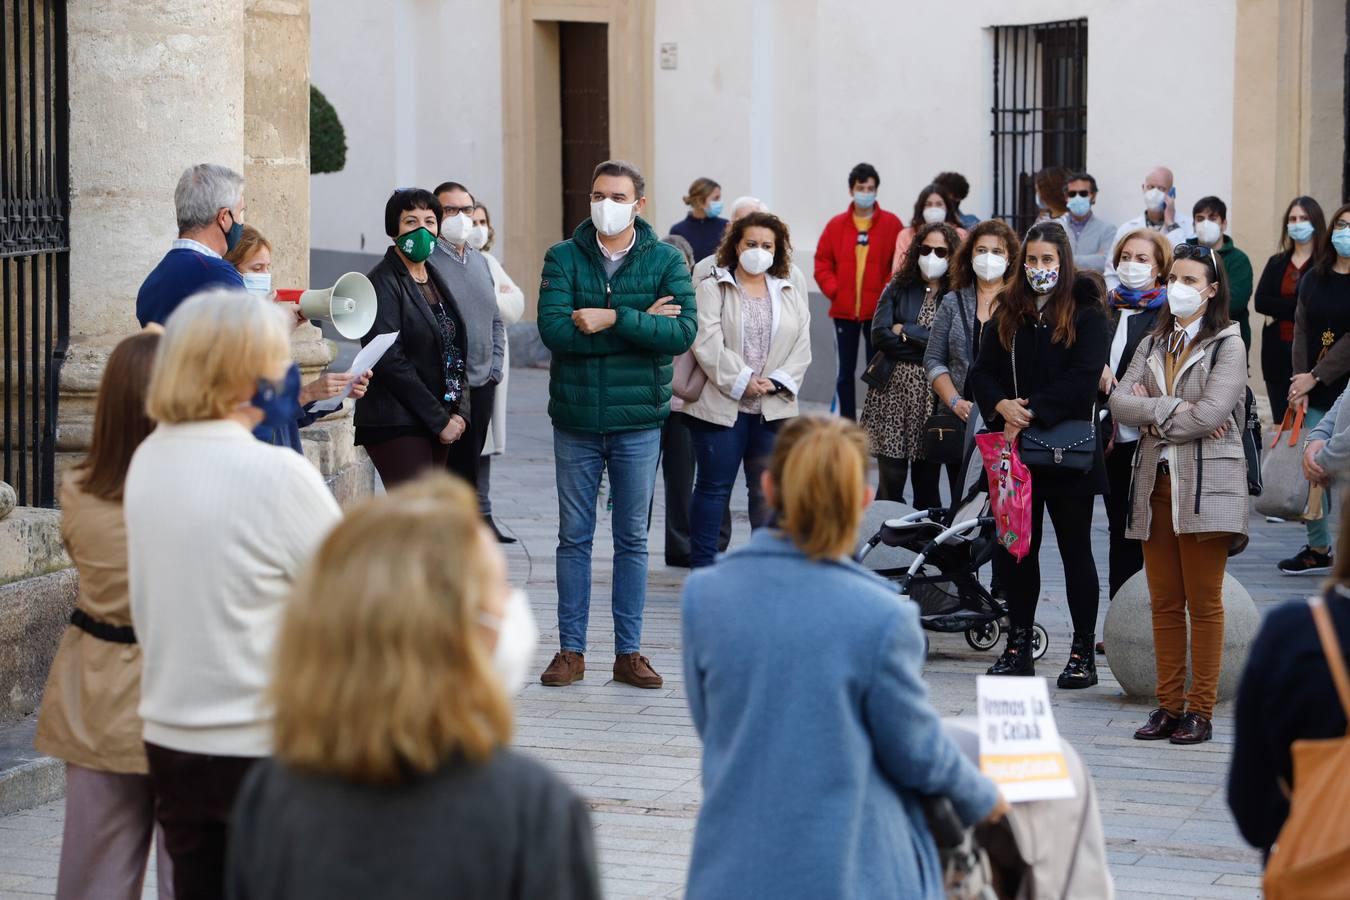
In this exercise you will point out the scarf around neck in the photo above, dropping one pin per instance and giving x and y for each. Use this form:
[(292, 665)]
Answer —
[(1128, 298)]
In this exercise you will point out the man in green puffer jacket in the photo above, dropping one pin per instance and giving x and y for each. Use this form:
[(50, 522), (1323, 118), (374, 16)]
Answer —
[(615, 305)]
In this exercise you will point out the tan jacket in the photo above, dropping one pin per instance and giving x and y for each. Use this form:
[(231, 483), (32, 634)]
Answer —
[(88, 715), (718, 349), (1209, 476)]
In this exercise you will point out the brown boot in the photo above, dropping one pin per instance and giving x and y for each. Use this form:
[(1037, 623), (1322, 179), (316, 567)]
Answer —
[(635, 669), (566, 668)]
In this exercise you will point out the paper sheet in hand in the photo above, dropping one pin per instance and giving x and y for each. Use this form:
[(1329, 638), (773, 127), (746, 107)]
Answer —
[(370, 354), (1019, 743)]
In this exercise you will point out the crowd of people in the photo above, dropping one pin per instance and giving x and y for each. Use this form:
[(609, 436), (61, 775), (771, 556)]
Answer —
[(288, 701)]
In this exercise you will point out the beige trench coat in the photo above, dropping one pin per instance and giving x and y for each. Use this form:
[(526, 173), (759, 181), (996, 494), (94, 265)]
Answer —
[(1209, 476), (88, 715), (511, 304)]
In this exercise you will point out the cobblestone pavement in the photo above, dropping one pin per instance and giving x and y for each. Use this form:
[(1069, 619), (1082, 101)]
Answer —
[(635, 756)]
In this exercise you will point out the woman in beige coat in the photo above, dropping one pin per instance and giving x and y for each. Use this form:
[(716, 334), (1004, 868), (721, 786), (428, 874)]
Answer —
[(1184, 390), (88, 716), (754, 345)]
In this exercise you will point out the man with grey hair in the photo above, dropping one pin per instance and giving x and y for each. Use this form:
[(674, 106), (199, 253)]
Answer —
[(209, 202)]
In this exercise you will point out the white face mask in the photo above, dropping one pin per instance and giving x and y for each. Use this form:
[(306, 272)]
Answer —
[(259, 283), (755, 261), (517, 638), (1155, 198), (1183, 300), (932, 267), (611, 217), (1208, 232), (456, 228), (478, 237), (934, 214), (1135, 275), (989, 266)]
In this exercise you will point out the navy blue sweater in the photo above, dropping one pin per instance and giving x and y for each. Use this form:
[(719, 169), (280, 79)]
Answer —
[(1286, 695), (179, 275), (702, 234)]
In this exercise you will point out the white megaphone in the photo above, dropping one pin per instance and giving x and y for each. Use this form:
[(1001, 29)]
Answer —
[(349, 305)]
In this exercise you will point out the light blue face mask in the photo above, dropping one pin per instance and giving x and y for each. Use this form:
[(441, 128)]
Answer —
[(259, 283), (1341, 241), (1301, 232), (1080, 206), (714, 208), (864, 199)]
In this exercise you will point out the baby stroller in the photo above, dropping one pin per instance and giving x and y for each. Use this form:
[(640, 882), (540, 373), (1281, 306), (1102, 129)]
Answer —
[(951, 545)]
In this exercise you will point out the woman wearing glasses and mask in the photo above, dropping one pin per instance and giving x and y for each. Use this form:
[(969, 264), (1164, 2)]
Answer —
[(1185, 392), (899, 398)]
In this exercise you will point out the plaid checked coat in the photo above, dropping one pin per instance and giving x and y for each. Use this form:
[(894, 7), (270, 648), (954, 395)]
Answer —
[(1209, 476)]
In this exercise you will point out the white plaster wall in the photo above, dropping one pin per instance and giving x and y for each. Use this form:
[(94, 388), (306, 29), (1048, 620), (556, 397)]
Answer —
[(417, 85)]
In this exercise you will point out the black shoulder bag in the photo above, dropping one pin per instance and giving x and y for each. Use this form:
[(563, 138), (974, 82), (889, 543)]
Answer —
[(1067, 447), (944, 433)]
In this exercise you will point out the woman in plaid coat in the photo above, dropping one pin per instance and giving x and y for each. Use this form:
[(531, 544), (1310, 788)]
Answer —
[(1184, 390)]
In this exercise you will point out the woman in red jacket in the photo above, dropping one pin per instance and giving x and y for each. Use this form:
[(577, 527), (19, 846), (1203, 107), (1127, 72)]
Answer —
[(853, 264)]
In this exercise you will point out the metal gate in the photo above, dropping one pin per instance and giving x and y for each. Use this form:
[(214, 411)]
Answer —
[(34, 239), (1040, 110)]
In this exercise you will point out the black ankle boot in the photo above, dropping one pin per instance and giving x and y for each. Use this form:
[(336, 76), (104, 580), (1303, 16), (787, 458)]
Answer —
[(1016, 657), (1081, 671)]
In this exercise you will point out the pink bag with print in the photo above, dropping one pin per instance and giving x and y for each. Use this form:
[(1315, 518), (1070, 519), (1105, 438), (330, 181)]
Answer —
[(1009, 493)]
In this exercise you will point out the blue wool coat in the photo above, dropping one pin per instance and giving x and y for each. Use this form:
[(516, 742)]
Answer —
[(803, 679)]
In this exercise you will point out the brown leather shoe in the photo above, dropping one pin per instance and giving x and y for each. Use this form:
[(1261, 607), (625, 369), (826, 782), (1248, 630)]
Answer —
[(566, 668), (1160, 726), (1194, 729), (635, 669)]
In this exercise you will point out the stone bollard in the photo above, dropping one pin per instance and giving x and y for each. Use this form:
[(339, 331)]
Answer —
[(1128, 635), (8, 499)]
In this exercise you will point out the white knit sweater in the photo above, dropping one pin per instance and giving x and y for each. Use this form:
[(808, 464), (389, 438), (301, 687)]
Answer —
[(219, 525)]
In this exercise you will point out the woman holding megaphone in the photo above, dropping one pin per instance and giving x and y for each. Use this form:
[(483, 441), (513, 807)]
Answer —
[(418, 403), (252, 258)]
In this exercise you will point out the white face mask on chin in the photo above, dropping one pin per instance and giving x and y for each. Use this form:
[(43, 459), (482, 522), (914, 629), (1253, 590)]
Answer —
[(517, 638), (611, 217)]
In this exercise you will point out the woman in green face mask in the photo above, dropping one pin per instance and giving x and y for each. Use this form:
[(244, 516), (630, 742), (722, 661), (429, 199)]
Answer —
[(421, 406)]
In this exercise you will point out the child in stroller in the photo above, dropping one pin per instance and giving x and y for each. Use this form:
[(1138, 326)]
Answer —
[(950, 547)]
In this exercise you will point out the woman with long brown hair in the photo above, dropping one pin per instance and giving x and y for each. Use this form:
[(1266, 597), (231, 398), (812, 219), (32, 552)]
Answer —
[(819, 796), (88, 715), (391, 776), (1040, 365)]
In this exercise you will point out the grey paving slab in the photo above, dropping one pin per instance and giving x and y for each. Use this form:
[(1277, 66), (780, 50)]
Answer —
[(634, 755)]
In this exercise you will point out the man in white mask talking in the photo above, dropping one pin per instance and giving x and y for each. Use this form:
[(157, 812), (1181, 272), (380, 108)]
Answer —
[(1159, 195), (615, 305), (467, 275)]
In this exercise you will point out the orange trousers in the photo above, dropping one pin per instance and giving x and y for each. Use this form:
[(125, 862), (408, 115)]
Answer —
[(1185, 576)]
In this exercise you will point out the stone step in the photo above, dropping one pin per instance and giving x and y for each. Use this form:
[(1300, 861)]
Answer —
[(27, 778)]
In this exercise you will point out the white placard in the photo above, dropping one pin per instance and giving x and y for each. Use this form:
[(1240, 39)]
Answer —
[(368, 356), (1019, 743)]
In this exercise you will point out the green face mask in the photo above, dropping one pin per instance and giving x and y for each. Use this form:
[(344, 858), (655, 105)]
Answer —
[(416, 245)]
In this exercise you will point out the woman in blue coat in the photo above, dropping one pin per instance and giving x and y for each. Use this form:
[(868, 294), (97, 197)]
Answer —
[(802, 672)]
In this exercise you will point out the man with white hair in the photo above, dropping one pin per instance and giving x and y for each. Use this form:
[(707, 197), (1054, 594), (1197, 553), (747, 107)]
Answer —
[(209, 203), (1160, 214)]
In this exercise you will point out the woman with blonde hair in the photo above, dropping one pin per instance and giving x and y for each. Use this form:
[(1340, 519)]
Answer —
[(218, 527), (392, 777), (859, 744), (704, 226), (88, 716)]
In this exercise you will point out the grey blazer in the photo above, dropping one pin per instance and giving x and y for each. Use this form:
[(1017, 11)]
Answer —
[(950, 348)]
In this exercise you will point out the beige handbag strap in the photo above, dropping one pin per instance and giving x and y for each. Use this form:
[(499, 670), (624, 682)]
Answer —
[(1331, 646)]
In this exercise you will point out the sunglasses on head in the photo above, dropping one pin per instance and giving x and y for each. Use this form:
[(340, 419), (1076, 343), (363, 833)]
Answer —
[(1193, 251), (924, 250)]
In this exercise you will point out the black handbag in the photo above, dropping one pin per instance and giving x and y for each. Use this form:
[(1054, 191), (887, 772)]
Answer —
[(943, 435), (878, 372), (1069, 446)]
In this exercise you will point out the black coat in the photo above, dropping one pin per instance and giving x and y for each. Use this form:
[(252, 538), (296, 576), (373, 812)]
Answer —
[(405, 395), (1059, 382), (1277, 360)]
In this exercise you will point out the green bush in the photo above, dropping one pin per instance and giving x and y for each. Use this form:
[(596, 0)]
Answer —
[(327, 140)]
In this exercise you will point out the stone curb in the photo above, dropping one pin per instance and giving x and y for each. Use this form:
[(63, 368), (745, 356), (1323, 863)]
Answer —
[(32, 783)]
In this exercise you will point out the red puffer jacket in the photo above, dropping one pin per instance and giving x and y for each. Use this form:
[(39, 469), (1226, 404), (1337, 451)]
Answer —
[(837, 268)]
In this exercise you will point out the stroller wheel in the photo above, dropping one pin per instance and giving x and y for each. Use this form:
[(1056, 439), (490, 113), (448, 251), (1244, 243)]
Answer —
[(1040, 641), (983, 637)]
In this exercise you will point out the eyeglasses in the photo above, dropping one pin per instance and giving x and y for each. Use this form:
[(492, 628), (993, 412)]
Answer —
[(941, 252), (456, 210), (1079, 193), (1341, 225)]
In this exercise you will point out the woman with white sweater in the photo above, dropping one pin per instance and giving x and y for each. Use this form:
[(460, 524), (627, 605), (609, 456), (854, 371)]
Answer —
[(218, 527), (511, 305)]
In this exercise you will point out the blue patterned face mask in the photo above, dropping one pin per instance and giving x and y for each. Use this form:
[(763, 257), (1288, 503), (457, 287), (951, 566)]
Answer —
[(1042, 281), (278, 400)]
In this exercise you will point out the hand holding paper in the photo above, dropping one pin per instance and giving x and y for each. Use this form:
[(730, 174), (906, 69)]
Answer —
[(366, 359)]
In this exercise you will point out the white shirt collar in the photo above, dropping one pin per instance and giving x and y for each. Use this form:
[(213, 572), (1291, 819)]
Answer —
[(1193, 329), (617, 254), (190, 244)]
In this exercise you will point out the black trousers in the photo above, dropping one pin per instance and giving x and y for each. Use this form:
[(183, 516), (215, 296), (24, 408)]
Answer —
[(465, 452), (402, 459), (846, 334), (1021, 581), (677, 473), (923, 475), (484, 486), (1126, 556)]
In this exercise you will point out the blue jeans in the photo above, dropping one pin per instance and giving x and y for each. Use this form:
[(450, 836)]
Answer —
[(579, 460), (719, 452)]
